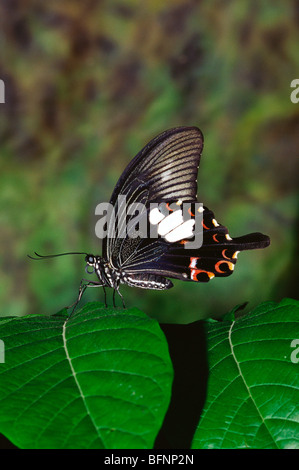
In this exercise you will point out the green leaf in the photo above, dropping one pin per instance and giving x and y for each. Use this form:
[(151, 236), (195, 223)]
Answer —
[(253, 389), (98, 379), (231, 316)]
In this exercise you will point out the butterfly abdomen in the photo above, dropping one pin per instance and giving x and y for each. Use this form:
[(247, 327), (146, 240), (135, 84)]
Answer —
[(147, 281)]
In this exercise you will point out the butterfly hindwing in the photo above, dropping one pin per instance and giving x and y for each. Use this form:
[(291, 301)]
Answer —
[(215, 258)]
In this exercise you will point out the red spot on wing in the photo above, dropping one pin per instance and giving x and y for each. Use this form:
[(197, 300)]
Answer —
[(195, 272), (193, 262)]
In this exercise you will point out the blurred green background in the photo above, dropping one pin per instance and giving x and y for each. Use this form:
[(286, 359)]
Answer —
[(88, 84)]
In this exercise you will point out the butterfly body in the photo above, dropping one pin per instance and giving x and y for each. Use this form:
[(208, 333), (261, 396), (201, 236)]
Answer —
[(111, 277)]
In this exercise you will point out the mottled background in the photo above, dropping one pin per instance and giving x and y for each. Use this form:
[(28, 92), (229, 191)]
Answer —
[(89, 83)]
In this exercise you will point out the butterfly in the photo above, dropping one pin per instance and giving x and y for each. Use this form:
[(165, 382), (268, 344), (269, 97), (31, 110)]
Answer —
[(165, 172)]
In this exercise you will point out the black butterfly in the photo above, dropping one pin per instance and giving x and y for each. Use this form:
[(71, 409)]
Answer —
[(165, 170)]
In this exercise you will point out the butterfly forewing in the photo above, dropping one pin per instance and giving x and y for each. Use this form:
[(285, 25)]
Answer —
[(165, 169)]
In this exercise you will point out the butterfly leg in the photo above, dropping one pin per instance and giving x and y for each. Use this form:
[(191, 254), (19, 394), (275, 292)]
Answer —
[(116, 289), (122, 299), (105, 296), (82, 289)]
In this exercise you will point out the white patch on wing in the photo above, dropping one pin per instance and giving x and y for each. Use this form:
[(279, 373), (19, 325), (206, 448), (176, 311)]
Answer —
[(185, 230), (155, 216), (170, 222), (193, 263)]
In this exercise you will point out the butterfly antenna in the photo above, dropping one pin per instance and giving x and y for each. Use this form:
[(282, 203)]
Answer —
[(39, 257)]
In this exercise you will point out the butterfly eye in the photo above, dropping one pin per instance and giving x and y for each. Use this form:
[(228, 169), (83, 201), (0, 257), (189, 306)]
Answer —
[(89, 259)]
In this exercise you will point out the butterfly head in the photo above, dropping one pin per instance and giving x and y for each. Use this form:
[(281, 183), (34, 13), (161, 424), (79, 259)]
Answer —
[(90, 260), (94, 264)]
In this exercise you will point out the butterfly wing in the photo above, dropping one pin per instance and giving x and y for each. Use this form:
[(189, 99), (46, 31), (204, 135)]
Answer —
[(215, 258), (165, 169)]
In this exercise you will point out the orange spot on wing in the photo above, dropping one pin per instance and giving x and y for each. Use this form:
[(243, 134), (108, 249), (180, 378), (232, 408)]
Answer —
[(204, 226), (169, 208), (191, 213), (211, 275), (214, 238), (195, 272), (224, 255), (217, 266)]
